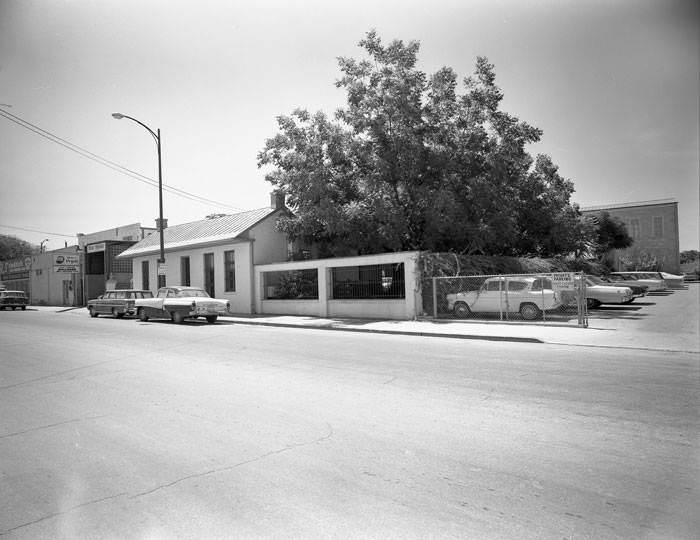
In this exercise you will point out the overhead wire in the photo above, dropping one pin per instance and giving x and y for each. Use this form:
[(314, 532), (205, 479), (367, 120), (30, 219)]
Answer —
[(108, 163), (35, 231)]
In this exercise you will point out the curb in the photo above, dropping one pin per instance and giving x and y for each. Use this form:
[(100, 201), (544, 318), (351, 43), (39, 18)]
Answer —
[(393, 332)]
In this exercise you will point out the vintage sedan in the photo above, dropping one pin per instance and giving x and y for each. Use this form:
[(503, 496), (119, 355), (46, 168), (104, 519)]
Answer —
[(599, 292), (117, 303), (13, 299), (624, 279), (179, 303), (527, 295), (672, 281)]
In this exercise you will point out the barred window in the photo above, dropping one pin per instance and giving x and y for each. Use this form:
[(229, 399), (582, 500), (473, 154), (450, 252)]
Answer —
[(368, 282), (291, 284), (230, 270)]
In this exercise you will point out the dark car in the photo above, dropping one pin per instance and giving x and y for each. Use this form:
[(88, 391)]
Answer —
[(117, 303), (13, 299), (638, 291)]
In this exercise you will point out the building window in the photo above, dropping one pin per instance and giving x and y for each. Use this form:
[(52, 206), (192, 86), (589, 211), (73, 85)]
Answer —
[(291, 284), (209, 274), (185, 271), (144, 276), (634, 226), (230, 270), (369, 282), (658, 224)]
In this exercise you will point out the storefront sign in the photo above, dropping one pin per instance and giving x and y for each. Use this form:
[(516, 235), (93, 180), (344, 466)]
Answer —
[(66, 264), (94, 248)]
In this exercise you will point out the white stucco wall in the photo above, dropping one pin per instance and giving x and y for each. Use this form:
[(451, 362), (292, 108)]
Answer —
[(241, 300), (404, 308), (270, 245)]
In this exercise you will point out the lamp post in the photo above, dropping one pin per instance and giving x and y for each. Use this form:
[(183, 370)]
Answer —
[(156, 136)]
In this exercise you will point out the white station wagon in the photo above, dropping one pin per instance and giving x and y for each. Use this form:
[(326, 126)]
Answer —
[(527, 295)]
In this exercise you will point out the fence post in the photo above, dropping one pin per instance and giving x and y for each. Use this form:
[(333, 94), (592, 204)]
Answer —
[(434, 297)]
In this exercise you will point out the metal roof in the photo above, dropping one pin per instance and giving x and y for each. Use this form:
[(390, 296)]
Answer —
[(199, 232)]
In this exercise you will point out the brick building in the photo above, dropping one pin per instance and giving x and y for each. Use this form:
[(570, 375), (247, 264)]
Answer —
[(653, 225)]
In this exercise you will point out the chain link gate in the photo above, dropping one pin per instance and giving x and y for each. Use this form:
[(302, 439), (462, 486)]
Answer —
[(558, 297)]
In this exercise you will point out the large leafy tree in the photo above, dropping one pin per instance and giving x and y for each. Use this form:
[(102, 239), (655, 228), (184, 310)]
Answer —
[(410, 163), (12, 247)]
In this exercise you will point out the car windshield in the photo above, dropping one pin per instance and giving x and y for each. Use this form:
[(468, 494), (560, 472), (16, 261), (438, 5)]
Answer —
[(187, 293)]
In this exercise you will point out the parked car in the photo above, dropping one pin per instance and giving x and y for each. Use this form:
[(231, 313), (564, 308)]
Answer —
[(638, 291), (671, 280), (179, 303), (13, 299), (527, 295), (653, 284), (117, 303), (599, 292)]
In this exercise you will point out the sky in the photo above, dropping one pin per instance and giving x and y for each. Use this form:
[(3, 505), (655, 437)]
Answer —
[(613, 85)]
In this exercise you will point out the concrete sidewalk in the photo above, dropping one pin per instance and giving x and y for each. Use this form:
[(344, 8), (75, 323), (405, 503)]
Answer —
[(663, 323)]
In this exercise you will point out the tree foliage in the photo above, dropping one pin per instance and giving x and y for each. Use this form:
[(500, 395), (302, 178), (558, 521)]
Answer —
[(12, 247), (610, 233), (410, 163), (689, 256)]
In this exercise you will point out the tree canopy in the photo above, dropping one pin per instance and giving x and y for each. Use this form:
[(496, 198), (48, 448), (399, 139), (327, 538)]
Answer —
[(12, 247), (411, 163)]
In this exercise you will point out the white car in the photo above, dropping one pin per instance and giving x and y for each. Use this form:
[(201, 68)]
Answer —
[(180, 303), (654, 284), (598, 292), (527, 295)]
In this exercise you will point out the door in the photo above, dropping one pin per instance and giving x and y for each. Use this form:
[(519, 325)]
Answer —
[(209, 274)]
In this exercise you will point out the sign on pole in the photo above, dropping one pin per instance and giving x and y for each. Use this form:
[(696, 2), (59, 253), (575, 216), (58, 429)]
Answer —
[(161, 269)]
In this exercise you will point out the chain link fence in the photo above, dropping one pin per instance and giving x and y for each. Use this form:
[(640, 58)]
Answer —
[(545, 298)]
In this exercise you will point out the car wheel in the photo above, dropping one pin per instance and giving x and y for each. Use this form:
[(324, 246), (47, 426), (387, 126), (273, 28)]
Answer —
[(461, 310), (13, 308), (592, 303), (530, 312), (142, 314), (177, 317), (211, 319), (115, 313), (93, 313), (24, 308)]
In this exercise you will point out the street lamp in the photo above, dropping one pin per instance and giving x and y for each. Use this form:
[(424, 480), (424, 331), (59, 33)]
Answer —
[(156, 136)]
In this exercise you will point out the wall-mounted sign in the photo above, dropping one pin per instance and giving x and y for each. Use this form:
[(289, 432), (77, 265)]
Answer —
[(66, 264), (94, 248)]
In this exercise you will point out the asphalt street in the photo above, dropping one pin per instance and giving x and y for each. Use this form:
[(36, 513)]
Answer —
[(122, 429)]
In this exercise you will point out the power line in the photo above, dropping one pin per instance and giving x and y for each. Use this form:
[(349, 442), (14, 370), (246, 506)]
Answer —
[(35, 231), (108, 163)]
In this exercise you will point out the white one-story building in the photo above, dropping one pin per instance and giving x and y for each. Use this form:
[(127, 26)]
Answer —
[(216, 254), (244, 259)]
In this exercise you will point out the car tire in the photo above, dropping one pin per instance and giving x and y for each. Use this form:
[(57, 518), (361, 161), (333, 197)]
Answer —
[(92, 311), (177, 317), (115, 313), (530, 312), (592, 303), (211, 319), (142, 315), (24, 308), (461, 310)]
